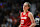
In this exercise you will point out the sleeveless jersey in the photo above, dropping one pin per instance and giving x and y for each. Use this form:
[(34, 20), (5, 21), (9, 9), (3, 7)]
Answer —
[(25, 20)]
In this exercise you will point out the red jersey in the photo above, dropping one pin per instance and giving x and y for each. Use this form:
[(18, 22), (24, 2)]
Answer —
[(25, 20)]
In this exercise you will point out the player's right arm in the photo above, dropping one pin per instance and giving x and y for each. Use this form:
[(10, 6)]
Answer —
[(20, 18)]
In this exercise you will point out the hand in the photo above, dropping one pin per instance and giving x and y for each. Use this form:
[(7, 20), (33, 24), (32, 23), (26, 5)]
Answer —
[(31, 26), (19, 26)]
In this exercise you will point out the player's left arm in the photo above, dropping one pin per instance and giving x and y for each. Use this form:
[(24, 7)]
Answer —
[(30, 15)]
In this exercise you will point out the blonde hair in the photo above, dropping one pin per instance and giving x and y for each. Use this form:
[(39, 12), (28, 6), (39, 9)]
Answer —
[(29, 5)]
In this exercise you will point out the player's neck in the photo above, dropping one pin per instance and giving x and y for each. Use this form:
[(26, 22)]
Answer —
[(25, 11)]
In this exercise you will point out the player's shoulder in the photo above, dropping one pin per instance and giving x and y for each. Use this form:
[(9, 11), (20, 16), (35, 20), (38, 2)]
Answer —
[(30, 13), (21, 12)]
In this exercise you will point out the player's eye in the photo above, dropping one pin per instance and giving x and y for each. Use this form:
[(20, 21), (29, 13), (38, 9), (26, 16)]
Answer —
[(25, 6)]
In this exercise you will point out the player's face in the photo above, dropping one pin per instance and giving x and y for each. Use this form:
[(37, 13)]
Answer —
[(25, 6)]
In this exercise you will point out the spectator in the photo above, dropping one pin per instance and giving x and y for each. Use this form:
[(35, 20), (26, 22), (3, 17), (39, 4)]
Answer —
[(4, 23), (38, 16), (14, 22), (37, 19), (9, 23)]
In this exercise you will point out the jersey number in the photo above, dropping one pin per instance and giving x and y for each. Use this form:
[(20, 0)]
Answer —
[(22, 21)]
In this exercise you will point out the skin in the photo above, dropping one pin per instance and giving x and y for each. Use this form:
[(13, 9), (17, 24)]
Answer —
[(30, 15)]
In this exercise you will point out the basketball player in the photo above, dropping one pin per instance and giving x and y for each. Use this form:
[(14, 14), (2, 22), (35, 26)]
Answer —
[(27, 19)]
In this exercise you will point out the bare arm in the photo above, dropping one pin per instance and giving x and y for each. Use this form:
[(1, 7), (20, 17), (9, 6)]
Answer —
[(20, 21), (30, 15)]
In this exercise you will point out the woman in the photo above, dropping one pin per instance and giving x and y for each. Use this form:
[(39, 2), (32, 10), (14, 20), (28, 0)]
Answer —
[(27, 19)]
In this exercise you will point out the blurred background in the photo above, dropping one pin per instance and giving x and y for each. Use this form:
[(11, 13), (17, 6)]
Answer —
[(10, 12)]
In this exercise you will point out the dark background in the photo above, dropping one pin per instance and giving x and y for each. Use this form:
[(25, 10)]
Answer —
[(10, 11)]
